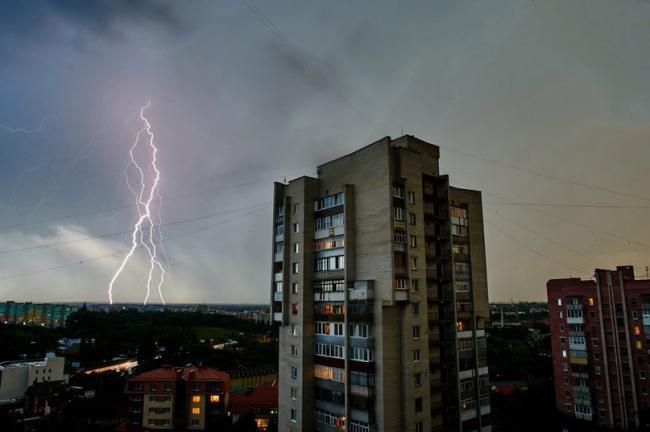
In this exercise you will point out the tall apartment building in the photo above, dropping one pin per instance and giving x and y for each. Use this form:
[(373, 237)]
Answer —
[(379, 289), (600, 330), (178, 398)]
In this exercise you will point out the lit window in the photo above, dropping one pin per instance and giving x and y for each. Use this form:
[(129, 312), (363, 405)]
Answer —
[(564, 353), (196, 399), (215, 398), (460, 326), (559, 302), (591, 301), (637, 330), (196, 410), (638, 345)]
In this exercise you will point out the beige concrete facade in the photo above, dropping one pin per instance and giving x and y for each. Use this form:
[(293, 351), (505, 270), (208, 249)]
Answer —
[(394, 296), (16, 377)]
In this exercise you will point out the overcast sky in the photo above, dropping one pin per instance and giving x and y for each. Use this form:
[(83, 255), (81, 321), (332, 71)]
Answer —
[(242, 99)]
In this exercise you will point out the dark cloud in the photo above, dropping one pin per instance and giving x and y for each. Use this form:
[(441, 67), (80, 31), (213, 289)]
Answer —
[(39, 17), (532, 84)]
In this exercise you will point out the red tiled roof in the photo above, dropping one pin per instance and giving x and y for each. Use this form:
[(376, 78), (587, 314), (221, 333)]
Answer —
[(263, 397), (187, 373)]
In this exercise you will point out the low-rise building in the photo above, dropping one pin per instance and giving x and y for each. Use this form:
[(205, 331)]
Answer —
[(190, 397), (243, 378), (17, 376)]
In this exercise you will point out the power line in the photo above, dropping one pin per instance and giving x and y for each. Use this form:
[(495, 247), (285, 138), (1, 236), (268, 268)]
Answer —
[(106, 210), (581, 225), (541, 254), (563, 205), (181, 221), (85, 261), (297, 54), (545, 237), (547, 176)]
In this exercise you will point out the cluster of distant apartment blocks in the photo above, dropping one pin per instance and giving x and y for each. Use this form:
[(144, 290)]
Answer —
[(43, 314)]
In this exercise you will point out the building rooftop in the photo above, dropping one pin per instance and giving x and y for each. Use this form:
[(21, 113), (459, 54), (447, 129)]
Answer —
[(258, 398), (187, 373), (243, 371)]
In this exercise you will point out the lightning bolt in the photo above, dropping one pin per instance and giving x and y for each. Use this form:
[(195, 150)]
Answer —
[(29, 131), (143, 229)]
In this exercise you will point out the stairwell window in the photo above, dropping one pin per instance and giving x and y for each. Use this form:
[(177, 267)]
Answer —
[(411, 196), (416, 355)]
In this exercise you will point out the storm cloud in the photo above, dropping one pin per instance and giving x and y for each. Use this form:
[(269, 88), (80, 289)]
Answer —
[(553, 87)]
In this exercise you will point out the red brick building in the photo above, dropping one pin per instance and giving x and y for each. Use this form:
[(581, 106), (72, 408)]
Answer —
[(600, 330), (185, 398)]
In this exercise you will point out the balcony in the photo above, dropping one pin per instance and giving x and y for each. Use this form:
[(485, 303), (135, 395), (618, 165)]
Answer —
[(582, 395), (329, 232), (575, 319), (277, 296), (337, 296), (578, 360), (401, 271), (277, 316), (278, 257), (401, 295), (362, 290), (358, 390), (277, 277), (574, 314)]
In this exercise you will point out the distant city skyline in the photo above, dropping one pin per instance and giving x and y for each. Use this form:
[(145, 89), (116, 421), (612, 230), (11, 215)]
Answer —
[(530, 102)]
